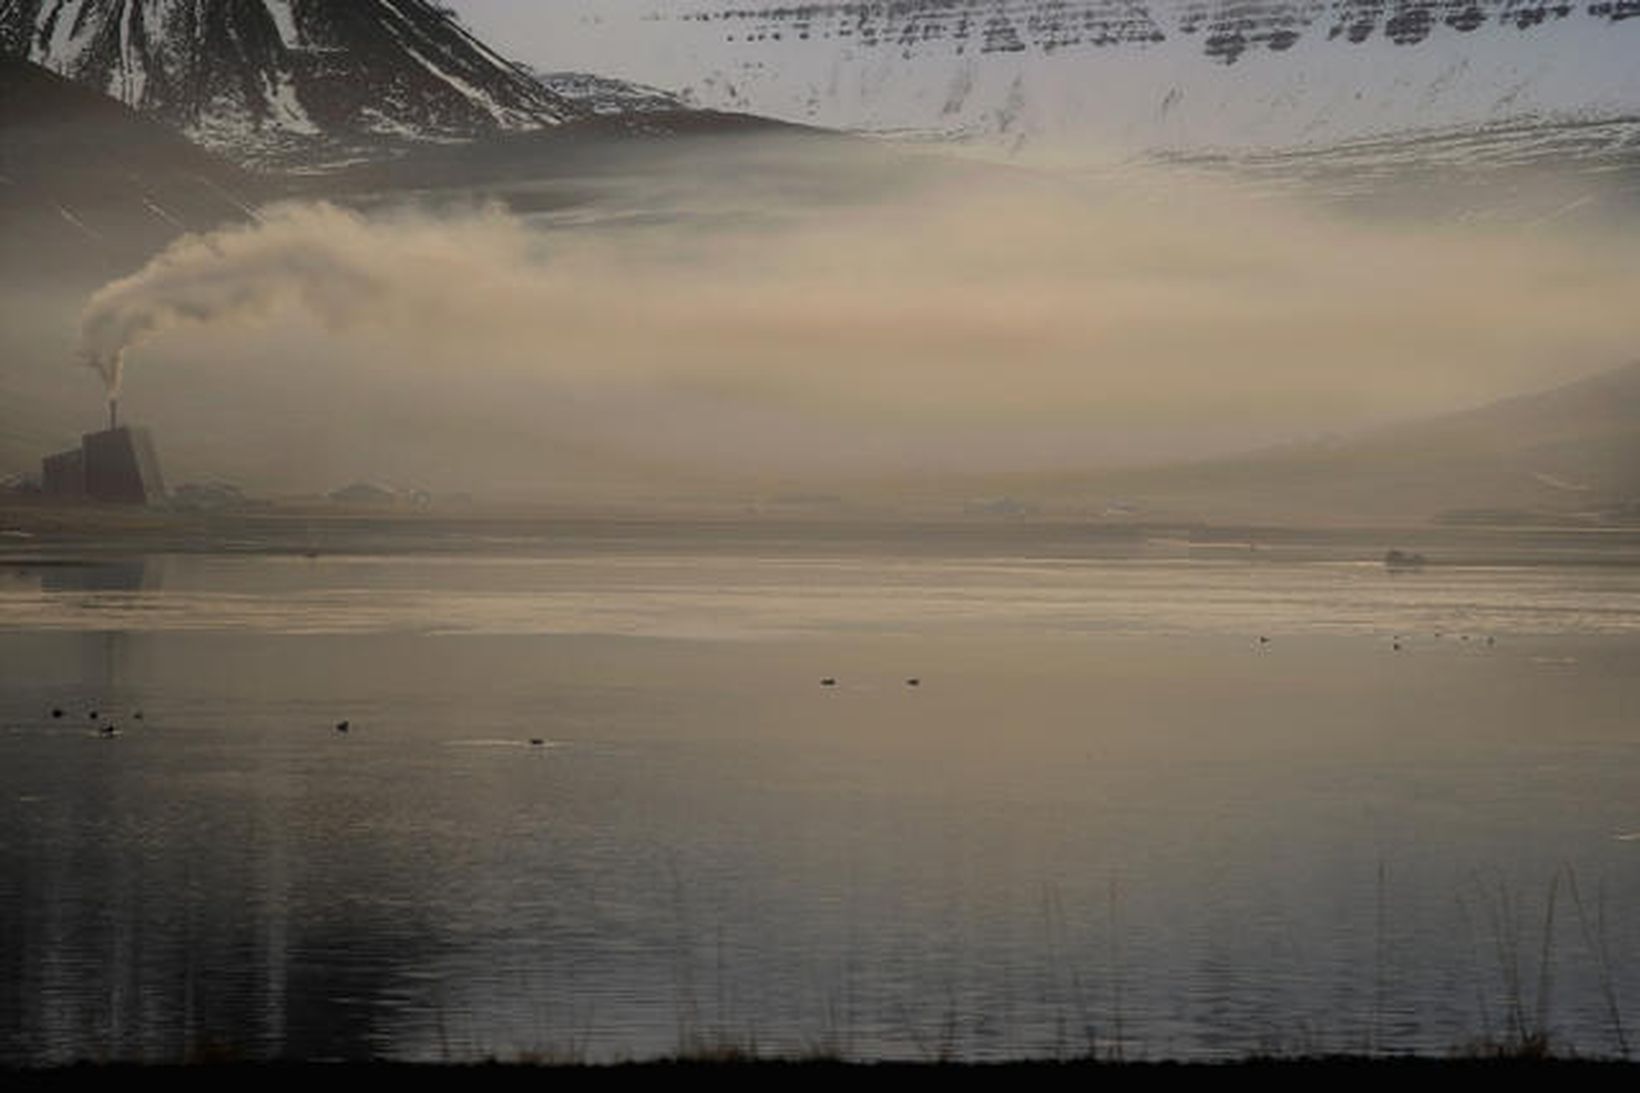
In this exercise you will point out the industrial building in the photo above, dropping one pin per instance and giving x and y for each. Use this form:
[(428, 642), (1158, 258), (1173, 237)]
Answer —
[(118, 464)]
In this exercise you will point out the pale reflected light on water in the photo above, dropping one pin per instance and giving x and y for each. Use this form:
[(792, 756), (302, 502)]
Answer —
[(740, 598), (1108, 817)]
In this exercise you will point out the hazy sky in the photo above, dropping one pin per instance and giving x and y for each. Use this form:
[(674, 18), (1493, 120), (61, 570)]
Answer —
[(557, 34)]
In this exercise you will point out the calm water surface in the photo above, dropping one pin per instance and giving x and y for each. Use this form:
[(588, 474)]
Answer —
[(1108, 818)]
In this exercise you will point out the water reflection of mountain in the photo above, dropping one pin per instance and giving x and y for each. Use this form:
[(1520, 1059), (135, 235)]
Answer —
[(133, 925), (189, 903)]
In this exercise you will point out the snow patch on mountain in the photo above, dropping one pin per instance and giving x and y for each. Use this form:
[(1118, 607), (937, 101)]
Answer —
[(279, 11), (603, 95)]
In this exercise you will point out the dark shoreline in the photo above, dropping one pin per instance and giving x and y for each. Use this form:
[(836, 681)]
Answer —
[(510, 1075)]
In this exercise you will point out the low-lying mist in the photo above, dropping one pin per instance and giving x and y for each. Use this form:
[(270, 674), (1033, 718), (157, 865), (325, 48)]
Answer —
[(739, 333)]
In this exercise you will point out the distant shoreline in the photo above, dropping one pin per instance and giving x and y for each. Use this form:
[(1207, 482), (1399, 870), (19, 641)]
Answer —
[(37, 534)]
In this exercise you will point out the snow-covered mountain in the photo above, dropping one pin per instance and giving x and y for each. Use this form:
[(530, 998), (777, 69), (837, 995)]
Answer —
[(1129, 74), (601, 95), (300, 81)]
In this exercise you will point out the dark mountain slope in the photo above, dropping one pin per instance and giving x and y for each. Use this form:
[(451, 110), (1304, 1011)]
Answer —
[(1572, 452), (89, 189)]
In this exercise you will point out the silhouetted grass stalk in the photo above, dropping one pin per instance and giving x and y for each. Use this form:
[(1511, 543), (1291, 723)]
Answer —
[(1116, 968), (1594, 936), (1054, 913), (1545, 965), (1525, 1036), (1481, 1006), (1380, 983)]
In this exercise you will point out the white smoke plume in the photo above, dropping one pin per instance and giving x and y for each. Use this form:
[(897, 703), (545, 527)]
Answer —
[(335, 264)]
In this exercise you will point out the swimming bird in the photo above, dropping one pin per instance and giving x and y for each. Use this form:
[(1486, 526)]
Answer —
[(829, 681), (536, 742), (913, 682), (109, 729), (56, 711), (342, 726)]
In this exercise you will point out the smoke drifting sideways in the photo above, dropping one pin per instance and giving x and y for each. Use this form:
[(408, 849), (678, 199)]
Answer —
[(995, 321), (334, 264)]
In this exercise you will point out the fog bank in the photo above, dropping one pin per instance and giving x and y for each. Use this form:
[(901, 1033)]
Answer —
[(1000, 322)]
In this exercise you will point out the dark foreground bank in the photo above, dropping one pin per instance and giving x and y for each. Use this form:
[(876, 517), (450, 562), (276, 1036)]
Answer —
[(401, 1077)]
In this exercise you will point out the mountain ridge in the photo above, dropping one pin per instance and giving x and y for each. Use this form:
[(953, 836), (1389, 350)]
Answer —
[(302, 83), (1136, 75)]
